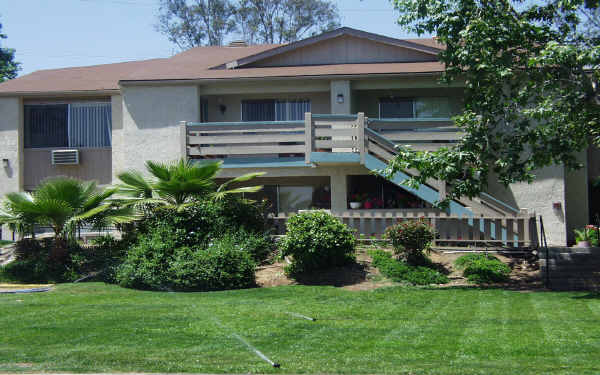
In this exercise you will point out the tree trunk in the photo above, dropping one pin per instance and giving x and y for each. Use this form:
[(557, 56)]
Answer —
[(59, 251)]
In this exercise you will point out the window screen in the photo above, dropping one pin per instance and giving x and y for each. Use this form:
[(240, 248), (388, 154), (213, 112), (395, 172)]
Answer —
[(396, 108), (90, 125), (258, 110), (274, 110), (291, 110), (46, 125), (438, 107)]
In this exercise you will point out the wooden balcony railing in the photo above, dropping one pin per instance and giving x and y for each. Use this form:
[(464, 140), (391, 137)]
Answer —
[(317, 133)]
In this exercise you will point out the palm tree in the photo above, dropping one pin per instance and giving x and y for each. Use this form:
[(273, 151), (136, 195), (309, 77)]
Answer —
[(178, 183), (64, 204)]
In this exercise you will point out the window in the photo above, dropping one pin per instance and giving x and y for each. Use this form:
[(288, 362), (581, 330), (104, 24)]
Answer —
[(78, 125), (293, 198), (434, 107), (274, 110), (396, 108)]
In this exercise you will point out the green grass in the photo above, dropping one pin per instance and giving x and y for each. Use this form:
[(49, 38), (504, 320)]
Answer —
[(98, 328)]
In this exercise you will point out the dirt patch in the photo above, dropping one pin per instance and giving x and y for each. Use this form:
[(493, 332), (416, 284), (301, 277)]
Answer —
[(525, 275), (358, 276)]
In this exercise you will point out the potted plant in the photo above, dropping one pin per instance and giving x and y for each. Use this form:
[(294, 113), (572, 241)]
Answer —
[(356, 200), (593, 235), (373, 203), (582, 237)]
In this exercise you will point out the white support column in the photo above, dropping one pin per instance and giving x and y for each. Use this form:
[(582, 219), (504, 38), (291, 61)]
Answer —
[(308, 133), (360, 136), (339, 192), (183, 139)]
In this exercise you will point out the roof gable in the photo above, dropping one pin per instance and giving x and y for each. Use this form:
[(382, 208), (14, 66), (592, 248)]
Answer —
[(340, 46)]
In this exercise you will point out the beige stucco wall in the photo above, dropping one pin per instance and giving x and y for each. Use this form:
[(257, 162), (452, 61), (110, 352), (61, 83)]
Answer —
[(538, 197), (577, 198), (95, 164), (118, 144), (150, 125), (341, 87), (10, 146), (319, 102)]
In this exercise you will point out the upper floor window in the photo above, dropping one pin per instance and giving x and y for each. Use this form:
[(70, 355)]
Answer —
[(78, 125), (274, 110), (433, 107)]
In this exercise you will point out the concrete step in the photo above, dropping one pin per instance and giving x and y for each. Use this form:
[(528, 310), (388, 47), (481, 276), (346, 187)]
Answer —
[(572, 284), (573, 268)]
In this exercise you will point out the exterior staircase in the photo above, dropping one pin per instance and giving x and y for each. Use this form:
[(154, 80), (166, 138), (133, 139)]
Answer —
[(379, 150), (571, 268)]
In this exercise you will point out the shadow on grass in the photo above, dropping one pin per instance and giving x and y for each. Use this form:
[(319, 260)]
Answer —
[(338, 276), (590, 295)]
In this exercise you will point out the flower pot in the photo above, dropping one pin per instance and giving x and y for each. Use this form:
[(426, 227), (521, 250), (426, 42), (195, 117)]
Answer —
[(583, 244), (355, 205)]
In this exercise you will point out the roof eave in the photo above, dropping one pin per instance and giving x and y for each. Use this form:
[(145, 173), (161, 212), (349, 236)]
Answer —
[(187, 81), (103, 92)]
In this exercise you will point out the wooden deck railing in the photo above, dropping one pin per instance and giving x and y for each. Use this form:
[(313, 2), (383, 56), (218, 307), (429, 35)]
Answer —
[(452, 231), (316, 133)]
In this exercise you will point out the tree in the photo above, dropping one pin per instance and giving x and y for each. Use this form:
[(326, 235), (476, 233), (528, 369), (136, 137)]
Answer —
[(532, 93), (204, 22), (64, 204), (8, 66), (208, 22), (282, 21), (178, 184)]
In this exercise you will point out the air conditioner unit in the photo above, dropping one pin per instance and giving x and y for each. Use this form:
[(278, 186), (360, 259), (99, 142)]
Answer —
[(65, 157)]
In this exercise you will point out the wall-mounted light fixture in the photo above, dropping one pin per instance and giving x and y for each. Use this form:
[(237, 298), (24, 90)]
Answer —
[(340, 98), (222, 108), (5, 163)]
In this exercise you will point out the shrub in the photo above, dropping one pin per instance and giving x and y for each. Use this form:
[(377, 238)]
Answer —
[(30, 271), (410, 239), (223, 265), (103, 258), (30, 248), (32, 264), (483, 268), (157, 263), (398, 270), (317, 240), (203, 220), (259, 246)]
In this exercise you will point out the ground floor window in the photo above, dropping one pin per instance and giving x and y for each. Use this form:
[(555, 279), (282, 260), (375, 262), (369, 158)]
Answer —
[(284, 198), (372, 192)]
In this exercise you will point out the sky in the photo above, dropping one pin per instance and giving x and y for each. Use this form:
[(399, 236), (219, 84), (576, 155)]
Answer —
[(49, 34)]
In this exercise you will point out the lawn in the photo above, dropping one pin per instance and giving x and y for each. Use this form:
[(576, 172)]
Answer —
[(93, 327), (5, 242)]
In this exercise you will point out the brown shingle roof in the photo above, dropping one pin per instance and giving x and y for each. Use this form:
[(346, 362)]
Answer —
[(195, 63)]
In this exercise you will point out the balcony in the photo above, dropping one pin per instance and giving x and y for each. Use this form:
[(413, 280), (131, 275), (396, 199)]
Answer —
[(319, 139)]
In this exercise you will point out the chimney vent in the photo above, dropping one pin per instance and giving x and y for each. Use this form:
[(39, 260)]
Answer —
[(238, 43)]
